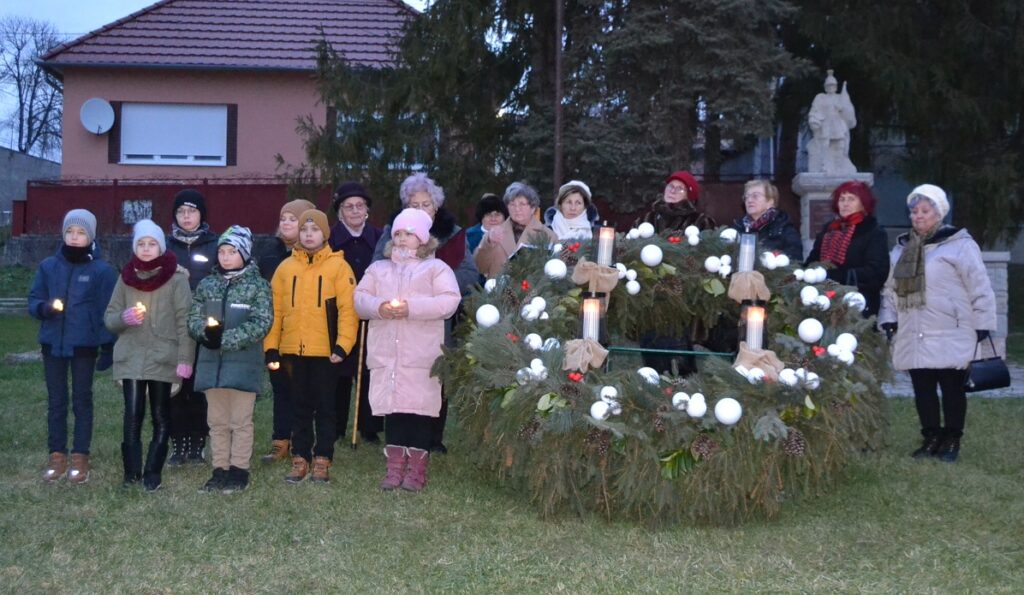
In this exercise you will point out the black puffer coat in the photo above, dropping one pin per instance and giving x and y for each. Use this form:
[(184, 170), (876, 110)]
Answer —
[(867, 262)]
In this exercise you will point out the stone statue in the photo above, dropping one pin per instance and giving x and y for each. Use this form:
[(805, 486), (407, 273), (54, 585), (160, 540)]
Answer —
[(831, 118)]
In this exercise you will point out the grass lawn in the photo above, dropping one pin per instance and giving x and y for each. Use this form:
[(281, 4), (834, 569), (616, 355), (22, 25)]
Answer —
[(893, 524), (15, 281)]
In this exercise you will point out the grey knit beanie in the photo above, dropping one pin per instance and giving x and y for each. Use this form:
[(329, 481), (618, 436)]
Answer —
[(83, 219)]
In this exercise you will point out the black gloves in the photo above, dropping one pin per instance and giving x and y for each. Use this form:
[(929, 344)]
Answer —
[(272, 356), (338, 351), (890, 329), (106, 358), (982, 335), (45, 310), (212, 336)]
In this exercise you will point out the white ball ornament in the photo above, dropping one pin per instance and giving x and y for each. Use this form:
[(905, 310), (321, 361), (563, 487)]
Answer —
[(846, 357), (693, 240), (810, 330), (487, 315), (646, 230), (768, 260), (822, 302), (680, 400), (550, 343), (712, 264), (819, 274), (808, 295), (726, 259), (600, 410), (555, 269), (833, 350), (631, 275), (622, 269), (691, 230), (696, 407), (616, 408), (755, 375), (537, 364), (533, 341), (539, 303), (529, 313), (649, 374), (489, 285), (633, 234), (725, 270), (728, 235), (544, 316), (609, 394), (855, 300), (813, 381), (782, 261), (556, 248), (728, 411), (788, 377), (651, 255), (800, 275), (632, 287), (847, 342)]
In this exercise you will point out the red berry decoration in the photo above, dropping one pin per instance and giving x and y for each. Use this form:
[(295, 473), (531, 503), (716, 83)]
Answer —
[(512, 337), (674, 239), (525, 285), (575, 376), (818, 350), (574, 247), (830, 294)]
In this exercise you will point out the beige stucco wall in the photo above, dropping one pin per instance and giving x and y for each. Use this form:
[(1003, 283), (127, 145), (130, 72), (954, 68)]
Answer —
[(268, 106)]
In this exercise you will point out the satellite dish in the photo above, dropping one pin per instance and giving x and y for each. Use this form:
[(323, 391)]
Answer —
[(97, 115)]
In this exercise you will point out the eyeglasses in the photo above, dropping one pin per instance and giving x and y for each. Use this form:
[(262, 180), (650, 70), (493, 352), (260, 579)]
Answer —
[(352, 208), (754, 195), (676, 189)]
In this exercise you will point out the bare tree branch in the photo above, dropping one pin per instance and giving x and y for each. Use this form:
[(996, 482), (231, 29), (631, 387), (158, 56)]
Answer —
[(34, 122)]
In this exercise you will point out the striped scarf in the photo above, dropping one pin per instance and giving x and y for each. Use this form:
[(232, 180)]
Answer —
[(838, 237)]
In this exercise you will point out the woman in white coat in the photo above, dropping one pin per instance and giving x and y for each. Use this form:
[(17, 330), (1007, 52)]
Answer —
[(939, 299)]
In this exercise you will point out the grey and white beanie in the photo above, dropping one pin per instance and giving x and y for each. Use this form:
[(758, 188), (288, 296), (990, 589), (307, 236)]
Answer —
[(239, 237)]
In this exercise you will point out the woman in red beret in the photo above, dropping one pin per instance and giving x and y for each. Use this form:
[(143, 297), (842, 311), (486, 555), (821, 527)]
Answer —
[(677, 208)]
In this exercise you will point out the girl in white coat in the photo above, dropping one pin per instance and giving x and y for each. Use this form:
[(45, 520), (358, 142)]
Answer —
[(406, 298)]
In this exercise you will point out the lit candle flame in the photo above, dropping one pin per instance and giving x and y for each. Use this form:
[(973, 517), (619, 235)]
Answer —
[(274, 365), (211, 321), (58, 305), (395, 303), (140, 306)]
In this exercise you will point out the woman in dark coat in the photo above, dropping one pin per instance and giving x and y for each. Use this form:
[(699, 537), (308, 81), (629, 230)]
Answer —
[(855, 244), (775, 231), (357, 238), (677, 208)]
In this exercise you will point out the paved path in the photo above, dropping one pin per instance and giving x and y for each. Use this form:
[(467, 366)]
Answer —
[(901, 387)]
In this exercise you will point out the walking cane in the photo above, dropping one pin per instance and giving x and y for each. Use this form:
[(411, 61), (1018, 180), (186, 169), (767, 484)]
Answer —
[(359, 383)]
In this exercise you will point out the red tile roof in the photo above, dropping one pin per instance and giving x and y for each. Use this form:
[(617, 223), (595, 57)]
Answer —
[(239, 34)]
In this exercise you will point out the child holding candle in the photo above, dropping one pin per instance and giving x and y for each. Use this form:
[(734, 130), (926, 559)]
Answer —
[(314, 329), (68, 295), (231, 313), (406, 298), (148, 311)]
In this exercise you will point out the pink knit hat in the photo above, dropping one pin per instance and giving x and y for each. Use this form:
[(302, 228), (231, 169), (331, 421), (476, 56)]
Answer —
[(415, 222)]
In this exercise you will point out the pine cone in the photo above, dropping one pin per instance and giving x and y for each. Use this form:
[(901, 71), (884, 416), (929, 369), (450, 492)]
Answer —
[(795, 445), (529, 429), (659, 424), (509, 296), (572, 391), (569, 257), (703, 446), (842, 408), (598, 439)]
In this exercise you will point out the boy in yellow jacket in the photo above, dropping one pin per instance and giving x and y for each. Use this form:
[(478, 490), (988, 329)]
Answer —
[(314, 329)]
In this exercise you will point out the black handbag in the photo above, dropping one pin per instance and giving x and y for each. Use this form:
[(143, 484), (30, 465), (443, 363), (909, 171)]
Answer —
[(986, 374)]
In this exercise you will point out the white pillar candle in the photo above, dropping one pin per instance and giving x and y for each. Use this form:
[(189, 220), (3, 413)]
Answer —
[(748, 245), (592, 319), (755, 327), (605, 243)]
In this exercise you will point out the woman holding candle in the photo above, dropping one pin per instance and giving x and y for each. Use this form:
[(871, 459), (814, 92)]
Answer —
[(677, 209), (939, 299), (269, 259), (574, 216), (69, 293), (356, 239), (407, 299), (314, 329), (231, 312), (522, 228), (855, 244), (153, 354), (774, 229)]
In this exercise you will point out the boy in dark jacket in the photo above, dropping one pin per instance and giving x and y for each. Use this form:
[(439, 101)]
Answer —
[(231, 313), (69, 294)]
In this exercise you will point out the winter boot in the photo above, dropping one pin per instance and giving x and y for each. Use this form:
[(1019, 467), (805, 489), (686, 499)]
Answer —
[(238, 480), (151, 478), (416, 475), (79, 471), (278, 451), (397, 459), (930, 445), (179, 451), (195, 454), (216, 482), (56, 467), (131, 457), (321, 470), (300, 468), (949, 450)]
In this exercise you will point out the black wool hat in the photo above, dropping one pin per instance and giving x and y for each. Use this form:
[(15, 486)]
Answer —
[(488, 204), (348, 190), (192, 198)]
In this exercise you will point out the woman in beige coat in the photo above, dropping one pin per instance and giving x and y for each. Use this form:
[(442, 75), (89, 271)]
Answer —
[(521, 229), (939, 298)]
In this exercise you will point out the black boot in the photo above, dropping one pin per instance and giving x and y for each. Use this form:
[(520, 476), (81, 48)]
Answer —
[(949, 450), (131, 457), (151, 478), (179, 451), (238, 480), (930, 445), (195, 453), (215, 483)]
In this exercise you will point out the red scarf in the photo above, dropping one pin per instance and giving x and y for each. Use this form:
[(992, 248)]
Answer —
[(161, 269), (838, 237)]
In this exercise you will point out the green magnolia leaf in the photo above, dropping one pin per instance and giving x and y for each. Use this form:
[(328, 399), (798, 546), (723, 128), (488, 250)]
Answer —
[(544, 403), (713, 286), (510, 396), (667, 269)]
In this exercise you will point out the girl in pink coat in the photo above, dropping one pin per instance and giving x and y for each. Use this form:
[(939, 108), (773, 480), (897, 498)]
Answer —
[(406, 298)]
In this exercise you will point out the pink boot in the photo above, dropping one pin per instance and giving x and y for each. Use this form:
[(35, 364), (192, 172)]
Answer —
[(416, 477), (396, 461)]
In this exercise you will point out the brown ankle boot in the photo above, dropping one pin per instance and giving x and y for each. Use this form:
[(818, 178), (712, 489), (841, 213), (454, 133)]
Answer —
[(300, 468), (278, 451), (56, 467), (321, 470), (79, 471), (416, 476), (397, 458)]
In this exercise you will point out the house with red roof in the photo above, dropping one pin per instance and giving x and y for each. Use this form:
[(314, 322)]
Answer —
[(200, 91)]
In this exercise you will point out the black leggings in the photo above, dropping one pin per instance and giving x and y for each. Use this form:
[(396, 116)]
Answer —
[(926, 383), (135, 392), (409, 429)]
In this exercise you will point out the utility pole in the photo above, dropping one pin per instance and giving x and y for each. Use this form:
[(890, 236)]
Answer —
[(559, 18)]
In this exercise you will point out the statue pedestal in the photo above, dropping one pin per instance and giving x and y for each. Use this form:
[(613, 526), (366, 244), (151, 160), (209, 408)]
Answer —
[(815, 191)]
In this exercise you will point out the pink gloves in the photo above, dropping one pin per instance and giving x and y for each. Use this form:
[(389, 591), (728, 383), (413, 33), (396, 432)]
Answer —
[(131, 317), (184, 370)]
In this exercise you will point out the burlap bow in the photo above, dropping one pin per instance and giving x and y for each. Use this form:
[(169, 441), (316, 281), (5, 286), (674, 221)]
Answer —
[(600, 278), (759, 358), (748, 285), (581, 354)]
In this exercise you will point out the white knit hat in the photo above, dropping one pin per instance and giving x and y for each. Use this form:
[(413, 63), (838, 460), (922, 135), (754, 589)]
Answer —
[(935, 194), (145, 228), (575, 185)]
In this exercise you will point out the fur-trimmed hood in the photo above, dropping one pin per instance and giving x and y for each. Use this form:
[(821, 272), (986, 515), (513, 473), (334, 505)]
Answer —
[(423, 252)]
